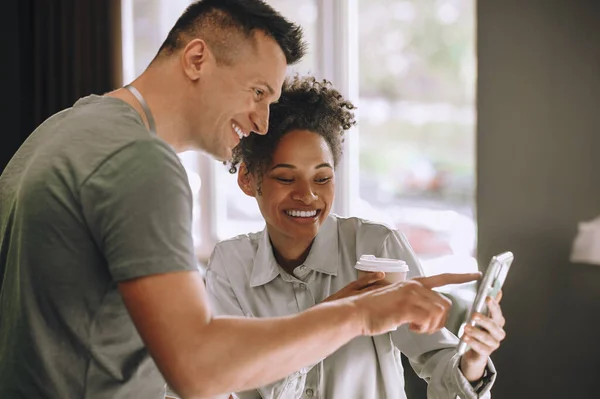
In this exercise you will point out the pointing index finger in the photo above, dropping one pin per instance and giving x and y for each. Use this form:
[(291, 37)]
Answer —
[(448, 278)]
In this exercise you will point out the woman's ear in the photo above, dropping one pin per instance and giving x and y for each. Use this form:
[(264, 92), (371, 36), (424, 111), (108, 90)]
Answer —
[(246, 181)]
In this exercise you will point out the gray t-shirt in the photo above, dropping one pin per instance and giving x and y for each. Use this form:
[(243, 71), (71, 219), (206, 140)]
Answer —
[(89, 200)]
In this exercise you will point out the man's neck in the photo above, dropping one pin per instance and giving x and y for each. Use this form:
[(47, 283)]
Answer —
[(159, 91)]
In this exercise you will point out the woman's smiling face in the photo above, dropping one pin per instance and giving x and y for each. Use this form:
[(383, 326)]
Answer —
[(297, 189)]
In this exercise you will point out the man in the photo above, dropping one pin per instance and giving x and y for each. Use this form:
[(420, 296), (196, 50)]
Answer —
[(100, 290)]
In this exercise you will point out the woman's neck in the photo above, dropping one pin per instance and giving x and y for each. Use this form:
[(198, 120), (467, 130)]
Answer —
[(290, 254)]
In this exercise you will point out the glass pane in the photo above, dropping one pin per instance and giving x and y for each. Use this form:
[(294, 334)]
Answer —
[(152, 20), (417, 124), (240, 213)]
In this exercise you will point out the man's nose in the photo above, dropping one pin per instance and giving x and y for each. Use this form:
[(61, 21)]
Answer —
[(260, 119)]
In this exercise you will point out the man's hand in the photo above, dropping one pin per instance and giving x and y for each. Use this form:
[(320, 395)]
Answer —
[(483, 339), (439, 280), (409, 302), (368, 282)]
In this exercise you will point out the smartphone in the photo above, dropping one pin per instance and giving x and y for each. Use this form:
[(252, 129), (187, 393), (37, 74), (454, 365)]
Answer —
[(490, 285)]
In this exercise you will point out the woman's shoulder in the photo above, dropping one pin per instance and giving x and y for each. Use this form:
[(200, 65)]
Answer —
[(233, 251), (240, 240), (362, 227)]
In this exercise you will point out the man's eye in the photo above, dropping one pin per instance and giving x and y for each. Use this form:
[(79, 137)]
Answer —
[(259, 92)]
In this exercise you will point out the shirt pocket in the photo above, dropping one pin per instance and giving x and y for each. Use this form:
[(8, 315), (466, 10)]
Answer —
[(291, 387)]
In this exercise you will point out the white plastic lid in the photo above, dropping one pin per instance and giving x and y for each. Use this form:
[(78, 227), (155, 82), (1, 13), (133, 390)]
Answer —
[(370, 263)]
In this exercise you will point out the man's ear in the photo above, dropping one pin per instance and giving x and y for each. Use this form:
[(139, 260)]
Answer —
[(194, 58), (246, 181)]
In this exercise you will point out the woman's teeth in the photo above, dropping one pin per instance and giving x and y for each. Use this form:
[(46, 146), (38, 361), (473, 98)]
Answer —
[(302, 214)]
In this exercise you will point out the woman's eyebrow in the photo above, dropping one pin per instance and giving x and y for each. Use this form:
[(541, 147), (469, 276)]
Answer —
[(283, 165), (289, 166), (324, 165)]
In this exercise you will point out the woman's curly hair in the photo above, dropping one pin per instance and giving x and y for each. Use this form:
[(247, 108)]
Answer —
[(305, 104)]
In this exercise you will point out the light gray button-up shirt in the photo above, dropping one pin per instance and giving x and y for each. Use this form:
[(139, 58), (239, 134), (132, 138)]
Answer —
[(244, 279)]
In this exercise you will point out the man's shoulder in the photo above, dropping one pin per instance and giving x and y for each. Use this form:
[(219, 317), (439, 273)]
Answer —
[(106, 133), (76, 142)]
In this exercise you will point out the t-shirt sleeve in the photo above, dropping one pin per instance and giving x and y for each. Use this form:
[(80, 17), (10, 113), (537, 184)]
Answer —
[(138, 206)]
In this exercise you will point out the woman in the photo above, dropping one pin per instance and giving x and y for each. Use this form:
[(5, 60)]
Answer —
[(305, 256)]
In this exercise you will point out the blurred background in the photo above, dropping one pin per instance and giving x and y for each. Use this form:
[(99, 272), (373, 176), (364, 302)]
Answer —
[(415, 92), (478, 132)]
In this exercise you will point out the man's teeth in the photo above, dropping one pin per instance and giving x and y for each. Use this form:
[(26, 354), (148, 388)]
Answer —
[(302, 214), (239, 131)]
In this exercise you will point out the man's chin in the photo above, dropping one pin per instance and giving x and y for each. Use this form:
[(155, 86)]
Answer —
[(223, 155), (222, 158)]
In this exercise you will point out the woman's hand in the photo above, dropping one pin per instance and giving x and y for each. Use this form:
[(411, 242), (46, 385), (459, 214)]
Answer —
[(368, 282), (483, 339)]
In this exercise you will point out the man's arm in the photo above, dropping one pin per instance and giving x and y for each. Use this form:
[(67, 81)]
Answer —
[(202, 356)]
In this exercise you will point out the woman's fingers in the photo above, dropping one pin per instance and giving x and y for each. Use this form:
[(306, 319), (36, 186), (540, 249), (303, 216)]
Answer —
[(495, 311), (484, 337), (368, 279)]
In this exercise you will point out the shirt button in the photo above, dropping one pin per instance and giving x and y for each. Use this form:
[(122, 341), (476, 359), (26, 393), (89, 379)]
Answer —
[(303, 287), (302, 269), (310, 392)]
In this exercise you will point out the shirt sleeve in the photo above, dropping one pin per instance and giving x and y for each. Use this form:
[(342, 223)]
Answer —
[(138, 207), (433, 357), (223, 300)]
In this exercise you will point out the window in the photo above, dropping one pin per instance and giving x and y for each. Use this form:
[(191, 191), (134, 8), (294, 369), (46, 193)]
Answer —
[(409, 65), (417, 123)]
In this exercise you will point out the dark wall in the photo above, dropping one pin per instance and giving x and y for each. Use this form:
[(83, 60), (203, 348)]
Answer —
[(15, 42), (538, 176), (53, 53)]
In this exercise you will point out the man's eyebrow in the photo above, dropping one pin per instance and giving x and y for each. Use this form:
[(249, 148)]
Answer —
[(268, 86)]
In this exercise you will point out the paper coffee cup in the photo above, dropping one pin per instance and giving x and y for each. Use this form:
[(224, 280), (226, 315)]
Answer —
[(395, 269)]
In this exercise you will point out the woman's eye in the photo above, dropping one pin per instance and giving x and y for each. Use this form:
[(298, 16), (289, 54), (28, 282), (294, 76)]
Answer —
[(323, 180), (284, 180)]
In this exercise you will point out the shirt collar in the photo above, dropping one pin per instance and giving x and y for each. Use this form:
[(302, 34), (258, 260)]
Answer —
[(264, 267), (323, 256)]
